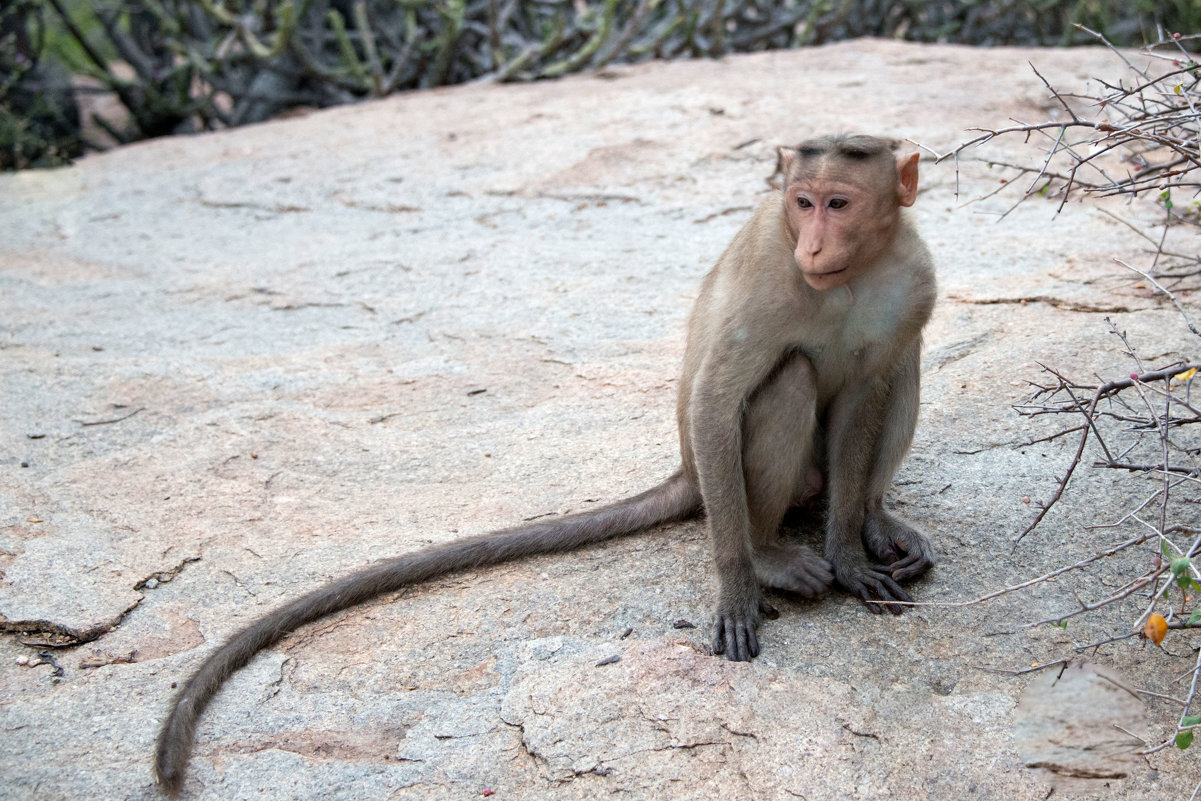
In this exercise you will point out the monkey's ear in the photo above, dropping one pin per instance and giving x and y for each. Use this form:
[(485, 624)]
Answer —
[(784, 157), (907, 179)]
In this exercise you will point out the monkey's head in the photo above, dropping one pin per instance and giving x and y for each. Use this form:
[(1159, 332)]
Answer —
[(842, 202)]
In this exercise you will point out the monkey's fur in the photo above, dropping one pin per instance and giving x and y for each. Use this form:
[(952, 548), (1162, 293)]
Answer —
[(801, 369)]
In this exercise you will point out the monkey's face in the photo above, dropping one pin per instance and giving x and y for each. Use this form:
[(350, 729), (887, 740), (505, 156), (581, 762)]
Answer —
[(842, 226), (844, 213)]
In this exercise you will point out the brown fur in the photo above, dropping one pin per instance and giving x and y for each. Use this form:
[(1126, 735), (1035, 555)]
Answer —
[(801, 368), (820, 299)]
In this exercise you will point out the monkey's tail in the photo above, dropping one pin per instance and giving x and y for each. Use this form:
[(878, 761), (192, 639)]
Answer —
[(674, 499)]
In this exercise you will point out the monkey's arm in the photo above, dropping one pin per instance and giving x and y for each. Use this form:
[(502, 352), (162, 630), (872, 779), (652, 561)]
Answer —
[(905, 550), (728, 376), (856, 429)]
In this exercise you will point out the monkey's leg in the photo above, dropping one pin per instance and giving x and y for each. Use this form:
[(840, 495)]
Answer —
[(779, 427), (854, 432), (905, 550), (713, 426)]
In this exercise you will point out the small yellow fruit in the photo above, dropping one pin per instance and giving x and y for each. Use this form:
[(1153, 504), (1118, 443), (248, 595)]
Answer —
[(1156, 628)]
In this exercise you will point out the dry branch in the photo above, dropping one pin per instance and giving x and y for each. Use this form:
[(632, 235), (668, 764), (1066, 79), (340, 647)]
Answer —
[(1136, 137)]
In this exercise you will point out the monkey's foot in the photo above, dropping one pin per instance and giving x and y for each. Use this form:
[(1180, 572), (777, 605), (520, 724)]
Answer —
[(871, 583), (735, 621), (905, 550), (792, 568)]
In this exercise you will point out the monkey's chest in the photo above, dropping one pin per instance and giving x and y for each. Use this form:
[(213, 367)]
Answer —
[(857, 332)]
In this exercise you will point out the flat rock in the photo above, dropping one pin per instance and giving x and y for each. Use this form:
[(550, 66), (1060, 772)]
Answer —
[(237, 365)]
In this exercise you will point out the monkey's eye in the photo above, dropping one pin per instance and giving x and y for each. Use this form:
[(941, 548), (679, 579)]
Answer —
[(838, 203), (804, 202)]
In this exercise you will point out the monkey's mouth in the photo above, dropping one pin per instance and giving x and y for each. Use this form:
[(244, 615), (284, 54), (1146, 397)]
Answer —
[(828, 272)]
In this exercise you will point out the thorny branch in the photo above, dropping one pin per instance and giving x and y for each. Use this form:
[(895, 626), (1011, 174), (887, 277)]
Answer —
[(1140, 135), (1136, 137)]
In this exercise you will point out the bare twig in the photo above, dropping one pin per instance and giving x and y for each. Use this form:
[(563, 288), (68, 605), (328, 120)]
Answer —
[(1188, 320), (1139, 137)]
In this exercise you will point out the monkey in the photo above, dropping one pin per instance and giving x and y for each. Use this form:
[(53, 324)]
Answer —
[(800, 377), (802, 364)]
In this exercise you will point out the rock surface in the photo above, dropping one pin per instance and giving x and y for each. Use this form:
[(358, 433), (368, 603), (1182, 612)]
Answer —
[(237, 365)]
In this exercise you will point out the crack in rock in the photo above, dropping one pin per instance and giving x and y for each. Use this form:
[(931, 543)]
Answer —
[(866, 734), (49, 634), (163, 576), (1077, 772), (1059, 303)]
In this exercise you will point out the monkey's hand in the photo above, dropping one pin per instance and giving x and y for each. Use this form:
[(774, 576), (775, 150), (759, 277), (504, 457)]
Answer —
[(792, 568), (905, 550), (871, 583), (736, 619)]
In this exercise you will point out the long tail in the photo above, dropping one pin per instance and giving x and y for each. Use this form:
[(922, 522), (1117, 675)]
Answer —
[(674, 499)]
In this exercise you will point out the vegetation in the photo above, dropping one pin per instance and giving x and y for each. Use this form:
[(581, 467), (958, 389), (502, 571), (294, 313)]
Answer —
[(1137, 137), (185, 65)]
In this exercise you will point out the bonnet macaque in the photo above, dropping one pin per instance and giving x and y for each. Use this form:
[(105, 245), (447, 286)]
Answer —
[(800, 376)]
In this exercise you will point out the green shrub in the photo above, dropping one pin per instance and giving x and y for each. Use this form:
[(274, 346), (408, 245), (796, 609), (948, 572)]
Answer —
[(202, 64)]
